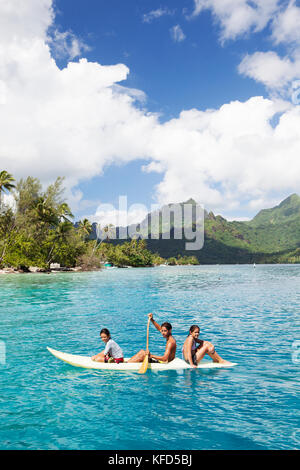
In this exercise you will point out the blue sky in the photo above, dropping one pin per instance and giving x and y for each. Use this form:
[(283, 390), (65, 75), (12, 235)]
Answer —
[(198, 72), (192, 99)]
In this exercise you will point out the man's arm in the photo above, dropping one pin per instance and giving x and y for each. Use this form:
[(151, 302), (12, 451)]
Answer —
[(103, 353), (166, 356), (157, 326)]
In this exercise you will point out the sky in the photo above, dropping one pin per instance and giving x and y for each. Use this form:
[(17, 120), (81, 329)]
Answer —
[(160, 101)]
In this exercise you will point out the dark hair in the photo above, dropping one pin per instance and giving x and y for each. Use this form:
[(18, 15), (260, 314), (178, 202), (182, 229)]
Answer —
[(167, 325), (105, 331), (193, 327)]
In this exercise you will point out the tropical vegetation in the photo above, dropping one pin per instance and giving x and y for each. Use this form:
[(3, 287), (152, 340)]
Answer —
[(6, 183), (37, 229), (272, 236)]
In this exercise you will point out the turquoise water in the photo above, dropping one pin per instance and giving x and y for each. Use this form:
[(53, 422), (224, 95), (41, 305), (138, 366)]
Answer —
[(251, 315)]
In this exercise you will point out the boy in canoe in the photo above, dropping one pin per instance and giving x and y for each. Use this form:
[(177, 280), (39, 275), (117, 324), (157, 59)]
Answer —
[(166, 330), (194, 349), (112, 351)]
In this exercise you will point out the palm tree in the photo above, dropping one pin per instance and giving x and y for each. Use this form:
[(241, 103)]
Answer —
[(46, 212), (61, 233), (64, 212), (108, 230), (63, 229), (85, 228), (6, 182)]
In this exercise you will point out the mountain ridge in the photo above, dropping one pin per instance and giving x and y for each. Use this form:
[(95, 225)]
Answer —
[(272, 235)]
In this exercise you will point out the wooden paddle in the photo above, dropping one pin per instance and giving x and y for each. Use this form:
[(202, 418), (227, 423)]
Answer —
[(145, 363)]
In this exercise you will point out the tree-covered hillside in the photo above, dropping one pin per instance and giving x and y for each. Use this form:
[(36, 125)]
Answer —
[(38, 230), (273, 235)]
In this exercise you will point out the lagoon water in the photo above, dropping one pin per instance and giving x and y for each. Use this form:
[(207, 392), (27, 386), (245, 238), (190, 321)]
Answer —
[(251, 315)]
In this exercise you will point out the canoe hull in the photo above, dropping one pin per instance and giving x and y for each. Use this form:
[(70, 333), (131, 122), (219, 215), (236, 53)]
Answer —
[(86, 362)]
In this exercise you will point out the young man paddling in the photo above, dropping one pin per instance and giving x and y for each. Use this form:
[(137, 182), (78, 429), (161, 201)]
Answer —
[(166, 330)]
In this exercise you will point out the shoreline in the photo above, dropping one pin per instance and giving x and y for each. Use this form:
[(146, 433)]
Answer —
[(41, 271), (79, 270)]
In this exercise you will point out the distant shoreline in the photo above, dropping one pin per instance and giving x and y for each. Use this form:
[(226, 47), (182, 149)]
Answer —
[(76, 270), (40, 271)]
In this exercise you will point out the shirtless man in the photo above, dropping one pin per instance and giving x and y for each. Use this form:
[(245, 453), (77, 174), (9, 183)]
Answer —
[(166, 330)]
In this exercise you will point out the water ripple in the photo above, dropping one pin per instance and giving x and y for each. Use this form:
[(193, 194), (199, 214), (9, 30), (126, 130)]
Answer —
[(251, 315)]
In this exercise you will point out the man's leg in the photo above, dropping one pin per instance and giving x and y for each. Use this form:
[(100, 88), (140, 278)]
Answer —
[(99, 357), (208, 348), (138, 357)]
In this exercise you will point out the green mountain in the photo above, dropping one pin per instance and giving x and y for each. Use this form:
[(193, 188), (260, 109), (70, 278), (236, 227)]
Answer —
[(272, 236), (288, 210), (276, 229)]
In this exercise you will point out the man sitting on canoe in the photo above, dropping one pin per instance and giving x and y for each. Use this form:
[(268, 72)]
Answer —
[(166, 330)]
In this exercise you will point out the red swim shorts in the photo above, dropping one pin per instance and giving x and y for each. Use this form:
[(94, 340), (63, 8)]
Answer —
[(117, 360)]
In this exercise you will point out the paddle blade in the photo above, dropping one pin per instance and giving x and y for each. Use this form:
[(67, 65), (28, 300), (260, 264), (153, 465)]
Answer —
[(144, 365)]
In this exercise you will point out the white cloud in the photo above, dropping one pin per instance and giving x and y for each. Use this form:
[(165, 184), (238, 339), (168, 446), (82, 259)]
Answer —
[(224, 156), (177, 34), (238, 17), (286, 25), (24, 19), (257, 204), (241, 17), (75, 121), (155, 14), (276, 72), (119, 218), (270, 69), (8, 200), (66, 44), (137, 95), (236, 219), (69, 122)]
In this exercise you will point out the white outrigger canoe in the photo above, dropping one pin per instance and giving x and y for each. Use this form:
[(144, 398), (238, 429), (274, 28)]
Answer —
[(87, 363)]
